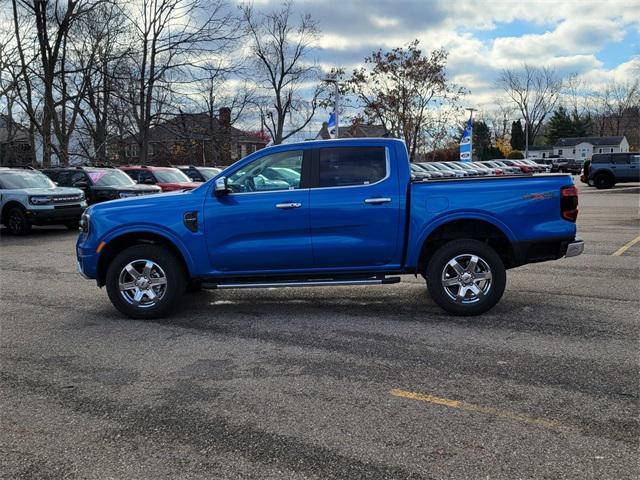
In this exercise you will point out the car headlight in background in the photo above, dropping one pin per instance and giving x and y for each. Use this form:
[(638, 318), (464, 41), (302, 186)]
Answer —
[(128, 194), (40, 200)]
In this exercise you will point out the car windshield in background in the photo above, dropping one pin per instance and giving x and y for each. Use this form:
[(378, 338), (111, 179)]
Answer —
[(26, 179), (171, 175), (465, 166), (110, 178), (209, 173)]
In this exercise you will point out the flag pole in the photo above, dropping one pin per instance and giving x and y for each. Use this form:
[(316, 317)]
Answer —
[(336, 102)]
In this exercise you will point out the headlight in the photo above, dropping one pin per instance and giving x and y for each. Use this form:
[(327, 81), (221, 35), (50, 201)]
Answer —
[(85, 223), (127, 194), (40, 200)]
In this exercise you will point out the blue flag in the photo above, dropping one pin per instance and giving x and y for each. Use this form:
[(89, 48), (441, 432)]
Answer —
[(466, 142), (331, 124)]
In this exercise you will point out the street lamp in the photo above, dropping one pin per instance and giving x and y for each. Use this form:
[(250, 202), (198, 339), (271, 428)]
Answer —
[(335, 102)]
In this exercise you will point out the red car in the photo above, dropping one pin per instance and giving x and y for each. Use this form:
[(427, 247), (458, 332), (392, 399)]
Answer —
[(167, 178)]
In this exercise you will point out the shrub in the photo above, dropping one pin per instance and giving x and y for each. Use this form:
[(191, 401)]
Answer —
[(515, 155)]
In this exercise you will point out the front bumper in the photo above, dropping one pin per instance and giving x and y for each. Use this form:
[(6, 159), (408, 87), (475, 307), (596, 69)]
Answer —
[(58, 214), (87, 261), (575, 248)]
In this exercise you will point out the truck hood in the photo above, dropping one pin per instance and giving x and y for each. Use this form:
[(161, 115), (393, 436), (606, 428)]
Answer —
[(144, 200), (168, 187)]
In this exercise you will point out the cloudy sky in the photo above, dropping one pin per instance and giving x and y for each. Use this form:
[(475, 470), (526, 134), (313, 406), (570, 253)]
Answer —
[(598, 40)]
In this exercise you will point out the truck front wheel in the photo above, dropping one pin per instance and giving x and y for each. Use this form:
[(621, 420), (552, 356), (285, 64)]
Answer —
[(466, 277), (145, 281)]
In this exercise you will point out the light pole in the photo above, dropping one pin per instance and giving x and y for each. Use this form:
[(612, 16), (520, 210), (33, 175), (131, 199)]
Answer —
[(471, 110), (336, 101), (526, 138)]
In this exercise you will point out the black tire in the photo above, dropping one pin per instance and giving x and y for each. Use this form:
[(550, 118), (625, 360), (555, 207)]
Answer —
[(603, 181), (171, 267), (487, 258), (17, 222)]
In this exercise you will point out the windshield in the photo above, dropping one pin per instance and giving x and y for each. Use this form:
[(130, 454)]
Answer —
[(464, 165), (26, 179), (497, 163), (110, 178), (442, 166), (171, 175), (428, 167), (208, 172)]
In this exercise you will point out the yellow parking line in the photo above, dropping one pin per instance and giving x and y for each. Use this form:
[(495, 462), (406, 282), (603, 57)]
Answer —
[(543, 422), (626, 247)]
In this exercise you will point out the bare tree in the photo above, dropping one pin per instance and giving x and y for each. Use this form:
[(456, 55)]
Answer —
[(617, 107), (61, 96), (535, 91), (172, 39), (281, 45), (398, 88), (104, 30)]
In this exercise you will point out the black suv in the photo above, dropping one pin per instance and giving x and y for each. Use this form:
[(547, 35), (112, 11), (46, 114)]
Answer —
[(566, 165), (199, 174), (99, 184)]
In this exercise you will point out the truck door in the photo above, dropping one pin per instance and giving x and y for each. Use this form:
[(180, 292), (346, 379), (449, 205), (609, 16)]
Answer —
[(262, 225), (355, 208)]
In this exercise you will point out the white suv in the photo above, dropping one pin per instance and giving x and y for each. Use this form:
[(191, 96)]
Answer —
[(28, 197)]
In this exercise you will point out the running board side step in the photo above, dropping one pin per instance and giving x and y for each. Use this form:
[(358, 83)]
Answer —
[(303, 283)]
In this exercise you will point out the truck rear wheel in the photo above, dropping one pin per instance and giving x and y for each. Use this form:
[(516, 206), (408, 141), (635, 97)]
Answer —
[(145, 281), (466, 277)]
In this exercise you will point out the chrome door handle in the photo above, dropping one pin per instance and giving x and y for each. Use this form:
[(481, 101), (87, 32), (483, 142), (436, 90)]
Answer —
[(288, 206), (377, 200)]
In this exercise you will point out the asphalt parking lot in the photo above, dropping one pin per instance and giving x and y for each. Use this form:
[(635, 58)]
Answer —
[(357, 382)]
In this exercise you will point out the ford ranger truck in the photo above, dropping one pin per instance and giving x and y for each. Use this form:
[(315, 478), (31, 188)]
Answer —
[(348, 213)]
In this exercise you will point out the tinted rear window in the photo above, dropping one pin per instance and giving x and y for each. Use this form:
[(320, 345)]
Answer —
[(341, 167)]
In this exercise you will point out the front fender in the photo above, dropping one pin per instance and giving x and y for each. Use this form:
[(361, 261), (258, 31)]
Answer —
[(152, 228)]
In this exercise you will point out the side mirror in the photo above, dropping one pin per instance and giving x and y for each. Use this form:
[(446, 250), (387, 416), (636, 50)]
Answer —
[(82, 184), (221, 187), (148, 181)]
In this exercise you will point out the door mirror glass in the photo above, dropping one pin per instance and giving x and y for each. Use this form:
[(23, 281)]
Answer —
[(221, 187)]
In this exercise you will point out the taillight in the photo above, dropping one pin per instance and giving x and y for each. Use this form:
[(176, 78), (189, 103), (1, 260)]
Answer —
[(569, 203), (525, 169), (498, 171)]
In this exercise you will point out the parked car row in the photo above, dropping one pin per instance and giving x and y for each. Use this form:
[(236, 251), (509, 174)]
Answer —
[(58, 196), (437, 170)]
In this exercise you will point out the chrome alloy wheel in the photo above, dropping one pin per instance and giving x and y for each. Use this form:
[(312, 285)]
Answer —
[(466, 278), (142, 283)]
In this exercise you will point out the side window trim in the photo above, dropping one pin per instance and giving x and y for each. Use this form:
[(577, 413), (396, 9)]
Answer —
[(316, 170)]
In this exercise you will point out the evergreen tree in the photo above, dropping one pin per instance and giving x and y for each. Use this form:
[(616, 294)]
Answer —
[(517, 136), (481, 138), (560, 126), (563, 125)]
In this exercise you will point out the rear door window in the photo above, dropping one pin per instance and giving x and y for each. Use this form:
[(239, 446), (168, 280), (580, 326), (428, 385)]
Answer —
[(620, 159), (347, 166)]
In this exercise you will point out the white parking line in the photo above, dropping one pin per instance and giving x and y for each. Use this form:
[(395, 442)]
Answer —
[(611, 190)]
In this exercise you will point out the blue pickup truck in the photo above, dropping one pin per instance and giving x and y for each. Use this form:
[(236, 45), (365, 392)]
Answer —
[(325, 213)]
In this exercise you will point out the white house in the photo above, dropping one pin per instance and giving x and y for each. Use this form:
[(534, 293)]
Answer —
[(543, 151), (582, 148)]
